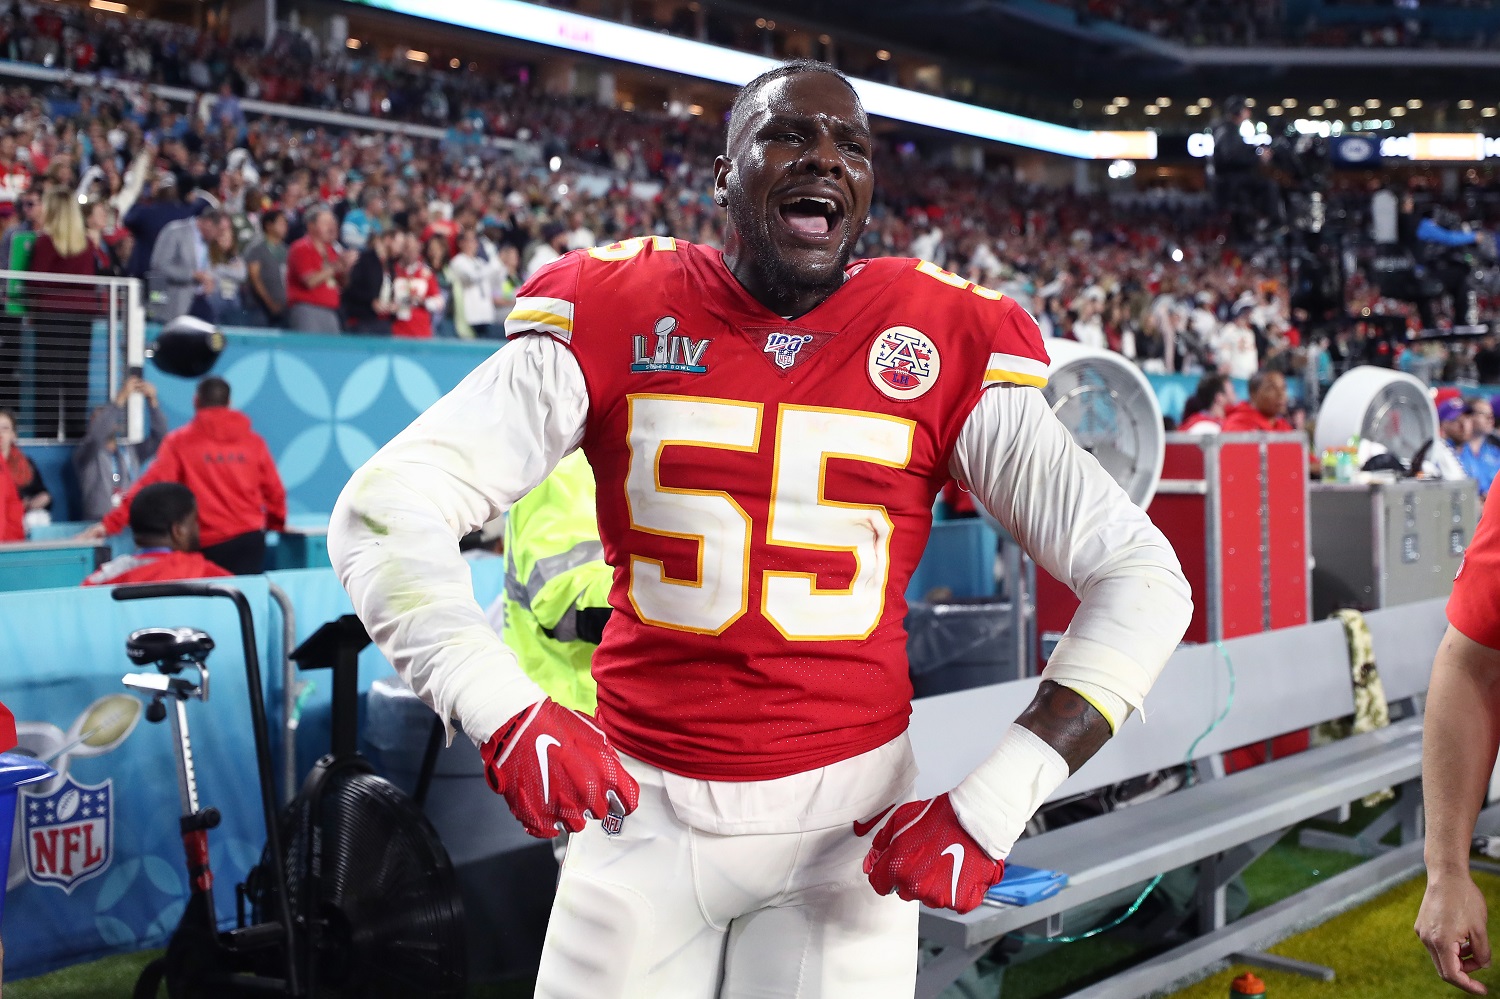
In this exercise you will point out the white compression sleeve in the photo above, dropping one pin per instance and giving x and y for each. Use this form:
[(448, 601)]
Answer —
[(1071, 517), (393, 534)]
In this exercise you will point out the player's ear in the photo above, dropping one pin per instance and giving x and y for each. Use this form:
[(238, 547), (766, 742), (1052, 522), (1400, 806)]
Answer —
[(722, 166)]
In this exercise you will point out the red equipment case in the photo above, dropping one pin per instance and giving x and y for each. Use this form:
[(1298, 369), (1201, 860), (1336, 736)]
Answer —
[(1235, 508)]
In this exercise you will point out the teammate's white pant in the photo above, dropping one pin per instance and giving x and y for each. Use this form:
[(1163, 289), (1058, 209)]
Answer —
[(664, 910)]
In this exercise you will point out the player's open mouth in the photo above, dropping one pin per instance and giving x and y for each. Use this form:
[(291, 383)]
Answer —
[(812, 216)]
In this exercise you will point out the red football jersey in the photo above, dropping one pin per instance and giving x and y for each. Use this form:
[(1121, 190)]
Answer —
[(765, 490)]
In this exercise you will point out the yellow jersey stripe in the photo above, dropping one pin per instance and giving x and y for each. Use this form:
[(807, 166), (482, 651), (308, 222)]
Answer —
[(1019, 378), (527, 317)]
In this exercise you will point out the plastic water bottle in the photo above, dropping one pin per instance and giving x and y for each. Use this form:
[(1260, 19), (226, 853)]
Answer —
[(1247, 986)]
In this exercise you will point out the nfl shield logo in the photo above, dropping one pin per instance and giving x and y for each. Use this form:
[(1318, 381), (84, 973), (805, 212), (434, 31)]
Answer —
[(68, 834)]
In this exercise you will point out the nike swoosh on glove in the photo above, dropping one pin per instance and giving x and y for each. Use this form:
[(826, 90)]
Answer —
[(556, 769), (924, 855)]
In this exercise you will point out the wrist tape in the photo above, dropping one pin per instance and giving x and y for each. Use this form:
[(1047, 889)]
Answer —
[(995, 802)]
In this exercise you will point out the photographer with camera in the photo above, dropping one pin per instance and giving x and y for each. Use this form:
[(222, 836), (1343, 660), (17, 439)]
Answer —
[(1442, 245), (1252, 199)]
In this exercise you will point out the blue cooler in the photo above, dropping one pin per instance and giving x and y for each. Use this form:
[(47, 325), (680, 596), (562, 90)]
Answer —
[(15, 770)]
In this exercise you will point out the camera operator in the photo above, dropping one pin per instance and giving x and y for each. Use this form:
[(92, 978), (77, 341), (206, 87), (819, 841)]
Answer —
[(1441, 244), (1252, 199)]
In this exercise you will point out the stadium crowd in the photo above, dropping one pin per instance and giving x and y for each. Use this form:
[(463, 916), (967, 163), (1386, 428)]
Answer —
[(424, 237), (255, 220), (1265, 22)]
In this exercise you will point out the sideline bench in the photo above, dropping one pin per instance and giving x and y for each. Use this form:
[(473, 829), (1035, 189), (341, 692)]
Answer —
[(1285, 680)]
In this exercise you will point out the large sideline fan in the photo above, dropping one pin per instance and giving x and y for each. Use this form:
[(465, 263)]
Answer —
[(1110, 408), (1390, 410)]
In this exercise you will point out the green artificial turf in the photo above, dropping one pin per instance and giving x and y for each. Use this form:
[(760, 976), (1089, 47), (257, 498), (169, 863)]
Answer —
[(1372, 949)]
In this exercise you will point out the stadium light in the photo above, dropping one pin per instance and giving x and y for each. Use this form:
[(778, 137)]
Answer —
[(641, 47), (1414, 104), (416, 55), (109, 5), (883, 55), (1465, 105)]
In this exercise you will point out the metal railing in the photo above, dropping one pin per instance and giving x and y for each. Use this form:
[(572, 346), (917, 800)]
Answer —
[(67, 343)]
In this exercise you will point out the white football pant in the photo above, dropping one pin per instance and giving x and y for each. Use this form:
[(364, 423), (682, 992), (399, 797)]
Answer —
[(665, 911)]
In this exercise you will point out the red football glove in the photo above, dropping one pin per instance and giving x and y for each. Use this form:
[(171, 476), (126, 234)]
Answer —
[(557, 770), (924, 855)]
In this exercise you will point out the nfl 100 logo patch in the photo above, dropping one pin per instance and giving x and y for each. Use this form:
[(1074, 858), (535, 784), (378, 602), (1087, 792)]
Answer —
[(784, 347), (68, 834)]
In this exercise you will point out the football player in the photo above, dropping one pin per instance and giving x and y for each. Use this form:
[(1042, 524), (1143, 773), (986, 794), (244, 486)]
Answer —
[(768, 426)]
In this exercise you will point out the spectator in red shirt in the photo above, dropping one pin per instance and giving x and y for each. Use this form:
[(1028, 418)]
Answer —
[(15, 178), (1266, 409), (416, 292), (229, 469), (164, 521), (1206, 408), (12, 509), (315, 270)]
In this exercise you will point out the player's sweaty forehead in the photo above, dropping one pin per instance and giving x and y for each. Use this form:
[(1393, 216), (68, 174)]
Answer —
[(801, 100)]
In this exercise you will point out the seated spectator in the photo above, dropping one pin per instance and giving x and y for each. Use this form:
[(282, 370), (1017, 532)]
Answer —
[(365, 221), (436, 252), (146, 219), (229, 469), (1266, 409), (12, 510), (476, 285), (181, 280), (417, 294), (63, 316), (1439, 457), (164, 522), (1206, 408), (552, 245), (264, 294), (105, 238), (107, 466), (368, 297), (315, 271), (1480, 454), (1235, 343), (22, 471), (227, 267)]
